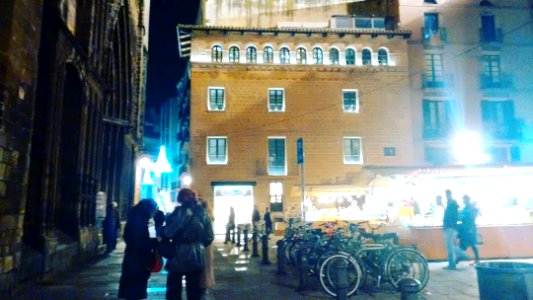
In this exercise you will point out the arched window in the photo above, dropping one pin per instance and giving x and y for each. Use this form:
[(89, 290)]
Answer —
[(233, 54), (251, 55), (318, 56), (285, 56), (301, 56), (216, 54), (383, 57), (367, 57), (268, 55), (334, 56), (350, 56)]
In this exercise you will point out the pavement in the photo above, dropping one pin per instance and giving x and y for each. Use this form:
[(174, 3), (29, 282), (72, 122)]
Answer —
[(238, 276)]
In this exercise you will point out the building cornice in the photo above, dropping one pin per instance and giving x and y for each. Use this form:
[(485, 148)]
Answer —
[(295, 68), (357, 32)]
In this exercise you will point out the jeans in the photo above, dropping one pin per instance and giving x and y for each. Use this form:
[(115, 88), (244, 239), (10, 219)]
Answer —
[(450, 235), (174, 284)]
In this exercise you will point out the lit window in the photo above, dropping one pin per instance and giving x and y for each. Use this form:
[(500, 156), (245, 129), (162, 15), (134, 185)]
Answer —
[(215, 101), (383, 57), (217, 152), (276, 196), (367, 57), (318, 56), (301, 56), (352, 150), (276, 156), (276, 100), (251, 55), (350, 57), (334, 56), (268, 55), (350, 101), (216, 54), (234, 54), (284, 56)]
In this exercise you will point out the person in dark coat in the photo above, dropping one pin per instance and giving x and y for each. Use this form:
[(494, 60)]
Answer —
[(190, 227), (268, 222), (468, 228), (137, 256), (255, 218), (111, 227), (230, 227)]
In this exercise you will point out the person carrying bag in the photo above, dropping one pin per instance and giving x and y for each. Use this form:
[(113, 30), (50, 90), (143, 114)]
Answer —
[(190, 229)]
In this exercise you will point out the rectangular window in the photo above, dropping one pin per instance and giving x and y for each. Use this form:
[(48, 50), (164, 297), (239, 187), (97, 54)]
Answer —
[(276, 156), (350, 101), (276, 100), (216, 101), (488, 29), (352, 150), (436, 118), (491, 70), (434, 70), (431, 25), (498, 119), (276, 196), (217, 150)]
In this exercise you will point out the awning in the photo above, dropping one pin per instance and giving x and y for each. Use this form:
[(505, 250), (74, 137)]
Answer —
[(317, 190)]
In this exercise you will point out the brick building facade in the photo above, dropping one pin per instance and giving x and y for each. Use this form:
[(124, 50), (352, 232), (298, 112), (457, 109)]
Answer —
[(71, 105)]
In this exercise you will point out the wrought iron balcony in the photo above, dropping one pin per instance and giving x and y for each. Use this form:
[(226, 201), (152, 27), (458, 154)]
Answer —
[(488, 36), (504, 81), (439, 81), (436, 132), (510, 130), (431, 37)]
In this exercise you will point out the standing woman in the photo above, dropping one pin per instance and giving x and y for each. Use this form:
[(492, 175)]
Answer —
[(137, 257), (207, 278), (190, 228)]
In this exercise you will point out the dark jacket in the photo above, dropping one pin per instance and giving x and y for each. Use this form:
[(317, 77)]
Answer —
[(451, 215), (191, 228), (137, 256)]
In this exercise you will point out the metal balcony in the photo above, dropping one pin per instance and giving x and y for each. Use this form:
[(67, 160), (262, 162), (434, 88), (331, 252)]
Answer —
[(491, 37), (434, 38), (437, 82), (504, 81)]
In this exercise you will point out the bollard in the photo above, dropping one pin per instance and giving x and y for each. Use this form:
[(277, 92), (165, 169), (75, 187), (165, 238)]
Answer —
[(254, 244), (239, 236), (233, 235), (245, 233), (302, 270), (281, 258), (409, 286), (264, 242), (341, 286)]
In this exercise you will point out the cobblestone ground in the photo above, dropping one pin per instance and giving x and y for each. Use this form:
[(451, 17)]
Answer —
[(238, 276)]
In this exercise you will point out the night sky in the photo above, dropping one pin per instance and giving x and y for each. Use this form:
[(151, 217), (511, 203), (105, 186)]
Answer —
[(164, 66)]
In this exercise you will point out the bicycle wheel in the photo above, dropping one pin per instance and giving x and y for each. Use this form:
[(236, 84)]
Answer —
[(328, 274), (406, 263)]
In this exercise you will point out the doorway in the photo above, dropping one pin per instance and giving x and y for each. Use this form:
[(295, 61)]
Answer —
[(240, 197)]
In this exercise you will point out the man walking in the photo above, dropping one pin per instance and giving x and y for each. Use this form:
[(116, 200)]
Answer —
[(451, 216)]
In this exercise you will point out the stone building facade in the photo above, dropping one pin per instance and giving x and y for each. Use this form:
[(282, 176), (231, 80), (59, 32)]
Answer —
[(71, 106), (256, 91)]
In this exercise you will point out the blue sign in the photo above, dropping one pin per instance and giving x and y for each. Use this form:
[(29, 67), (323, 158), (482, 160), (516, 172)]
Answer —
[(300, 150)]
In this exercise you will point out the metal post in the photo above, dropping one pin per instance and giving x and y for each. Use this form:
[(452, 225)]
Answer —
[(281, 258), (264, 241), (238, 235), (246, 238), (254, 244), (341, 269), (302, 270), (233, 234), (409, 287)]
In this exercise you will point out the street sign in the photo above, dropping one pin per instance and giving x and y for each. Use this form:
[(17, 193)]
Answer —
[(300, 150)]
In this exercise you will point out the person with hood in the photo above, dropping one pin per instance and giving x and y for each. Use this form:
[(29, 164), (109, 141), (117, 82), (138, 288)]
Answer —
[(190, 228), (138, 254)]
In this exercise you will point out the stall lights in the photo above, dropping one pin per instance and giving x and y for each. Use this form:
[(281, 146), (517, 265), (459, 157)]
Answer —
[(468, 148)]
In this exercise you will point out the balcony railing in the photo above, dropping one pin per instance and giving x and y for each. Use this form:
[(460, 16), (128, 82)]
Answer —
[(436, 132), (504, 131), (487, 36), (434, 38), (504, 81), (441, 81)]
